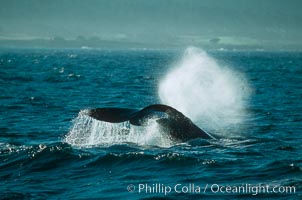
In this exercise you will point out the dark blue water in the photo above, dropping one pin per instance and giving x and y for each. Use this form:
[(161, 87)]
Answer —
[(42, 92)]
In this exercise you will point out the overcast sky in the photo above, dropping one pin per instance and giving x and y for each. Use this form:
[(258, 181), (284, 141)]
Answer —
[(269, 20)]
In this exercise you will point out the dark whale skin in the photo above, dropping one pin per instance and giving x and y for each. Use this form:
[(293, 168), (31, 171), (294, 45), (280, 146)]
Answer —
[(176, 124)]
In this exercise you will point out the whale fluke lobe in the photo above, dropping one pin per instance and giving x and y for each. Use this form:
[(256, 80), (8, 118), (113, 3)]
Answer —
[(177, 125), (113, 115)]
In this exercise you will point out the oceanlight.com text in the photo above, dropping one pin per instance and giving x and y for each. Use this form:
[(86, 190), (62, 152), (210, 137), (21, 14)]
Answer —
[(192, 188)]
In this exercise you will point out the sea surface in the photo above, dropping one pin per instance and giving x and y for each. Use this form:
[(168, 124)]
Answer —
[(50, 150)]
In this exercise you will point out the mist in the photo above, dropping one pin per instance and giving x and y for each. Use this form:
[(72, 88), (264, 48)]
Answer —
[(272, 24)]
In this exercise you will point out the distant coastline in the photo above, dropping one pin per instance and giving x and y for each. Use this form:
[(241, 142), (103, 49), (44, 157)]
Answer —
[(95, 42)]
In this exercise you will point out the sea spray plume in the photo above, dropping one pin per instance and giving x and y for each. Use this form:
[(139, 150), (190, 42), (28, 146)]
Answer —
[(213, 96)]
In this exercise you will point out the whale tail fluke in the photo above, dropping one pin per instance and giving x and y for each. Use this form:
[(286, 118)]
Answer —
[(178, 125), (113, 115)]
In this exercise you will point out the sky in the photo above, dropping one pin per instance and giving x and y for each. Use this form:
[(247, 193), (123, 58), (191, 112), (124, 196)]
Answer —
[(273, 22)]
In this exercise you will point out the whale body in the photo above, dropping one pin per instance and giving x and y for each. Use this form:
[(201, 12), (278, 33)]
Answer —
[(177, 125)]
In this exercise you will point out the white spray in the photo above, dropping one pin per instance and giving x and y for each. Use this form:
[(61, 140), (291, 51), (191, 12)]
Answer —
[(87, 131), (213, 96)]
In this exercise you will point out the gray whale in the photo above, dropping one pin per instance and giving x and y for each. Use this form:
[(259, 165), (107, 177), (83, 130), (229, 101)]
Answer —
[(176, 124)]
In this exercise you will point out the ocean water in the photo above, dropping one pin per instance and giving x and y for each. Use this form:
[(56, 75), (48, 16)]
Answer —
[(50, 150)]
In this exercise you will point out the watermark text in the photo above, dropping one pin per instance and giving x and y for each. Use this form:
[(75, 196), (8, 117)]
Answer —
[(192, 188)]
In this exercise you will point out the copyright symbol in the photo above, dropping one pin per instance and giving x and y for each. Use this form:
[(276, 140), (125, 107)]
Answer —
[(131, 188)]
